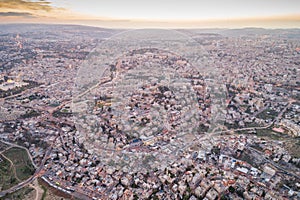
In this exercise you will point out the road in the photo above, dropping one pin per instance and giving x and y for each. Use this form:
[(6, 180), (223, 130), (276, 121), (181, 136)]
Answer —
[(29, 180), (21, 147), (12, 166), (84, 196), (261, 110), (38, 190), (273, 163)]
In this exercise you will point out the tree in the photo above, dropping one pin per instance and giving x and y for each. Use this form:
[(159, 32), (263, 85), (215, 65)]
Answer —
[(231, 189)]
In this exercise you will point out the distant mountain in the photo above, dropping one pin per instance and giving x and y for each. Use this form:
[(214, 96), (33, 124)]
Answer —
[(283, 33), (289, 33), (57, 30), (67, 30)]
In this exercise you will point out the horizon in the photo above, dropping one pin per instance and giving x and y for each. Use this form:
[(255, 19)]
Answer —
[(165, 14), (141, 28)]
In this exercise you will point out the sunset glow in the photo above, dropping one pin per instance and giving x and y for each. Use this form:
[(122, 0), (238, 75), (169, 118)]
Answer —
[(156, 13)]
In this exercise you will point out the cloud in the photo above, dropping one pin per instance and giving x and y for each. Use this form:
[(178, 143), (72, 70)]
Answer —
[(25, 5), (15, 14)]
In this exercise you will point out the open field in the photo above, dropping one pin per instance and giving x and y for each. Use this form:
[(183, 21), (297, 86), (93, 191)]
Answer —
[(51, 193), (26, 193), (7, 177), (3, 146), (293, 147), (22, 163), (270, 134)]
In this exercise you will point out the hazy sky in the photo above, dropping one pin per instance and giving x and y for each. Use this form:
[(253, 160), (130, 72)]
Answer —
[(284, 13), (182, 9)]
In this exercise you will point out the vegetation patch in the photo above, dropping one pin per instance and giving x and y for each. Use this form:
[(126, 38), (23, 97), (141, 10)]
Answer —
[(269, 133), (268, 114), (21, 161), (19, 194), (7, 178)]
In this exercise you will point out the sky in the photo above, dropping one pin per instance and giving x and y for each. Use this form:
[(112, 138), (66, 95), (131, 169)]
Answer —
[(155, 13)]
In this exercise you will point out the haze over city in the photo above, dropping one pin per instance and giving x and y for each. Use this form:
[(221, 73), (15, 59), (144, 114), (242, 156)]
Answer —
[(155, 13)]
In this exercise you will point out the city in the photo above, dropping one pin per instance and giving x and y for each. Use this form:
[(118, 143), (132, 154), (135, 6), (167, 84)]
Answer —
[(167, 123)]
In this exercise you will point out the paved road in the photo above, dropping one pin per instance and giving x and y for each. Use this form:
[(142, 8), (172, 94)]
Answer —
[(29, 180), (83, 196), (21, 147), (273, 163)]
